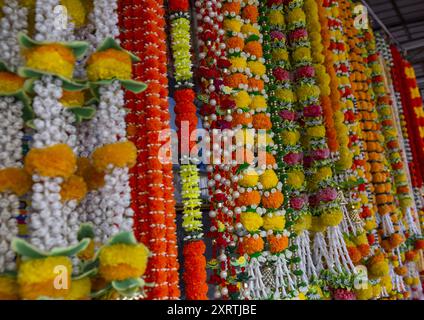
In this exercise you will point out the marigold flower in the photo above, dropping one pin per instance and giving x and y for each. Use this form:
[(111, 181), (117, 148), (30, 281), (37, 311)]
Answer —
[(109, 64), (274, 201), (251, 221), (277, 244), (254, 48), (55, 161), (268, 179), (253, 245), (10, 82), (120, 154), (73, 188)]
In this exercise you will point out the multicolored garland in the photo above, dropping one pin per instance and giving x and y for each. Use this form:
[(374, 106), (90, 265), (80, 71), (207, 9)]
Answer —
[(186, 121)]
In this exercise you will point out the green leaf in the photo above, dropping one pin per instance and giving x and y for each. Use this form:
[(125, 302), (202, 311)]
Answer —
[(83, 113), (242, 167), (78, 47), (85, 231), (68, 84), (25, 249), (70, 251), (86, 274), (110, 43), (134, 86), (128, 284), (124, 238), (30, 124)]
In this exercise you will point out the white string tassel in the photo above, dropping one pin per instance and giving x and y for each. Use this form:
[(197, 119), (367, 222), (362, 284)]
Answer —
[(388, 227), (321, 254), (305, 244), (338, 251), (412, 226), (256, 284)]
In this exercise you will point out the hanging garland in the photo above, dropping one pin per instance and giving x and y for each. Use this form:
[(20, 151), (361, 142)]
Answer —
[(325, 207), (289, 153), (155, 213), (212, 68), (185, 110)]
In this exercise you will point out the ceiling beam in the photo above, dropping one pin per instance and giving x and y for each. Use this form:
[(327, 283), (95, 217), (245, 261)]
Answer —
[(415, 44)]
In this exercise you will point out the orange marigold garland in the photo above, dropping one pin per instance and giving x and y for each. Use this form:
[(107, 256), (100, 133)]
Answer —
[(143, 21)]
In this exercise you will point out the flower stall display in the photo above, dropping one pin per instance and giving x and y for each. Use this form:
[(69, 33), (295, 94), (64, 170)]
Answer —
[(312, 138)]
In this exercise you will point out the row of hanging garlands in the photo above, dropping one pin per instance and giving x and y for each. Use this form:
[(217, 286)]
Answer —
[(87, 207)]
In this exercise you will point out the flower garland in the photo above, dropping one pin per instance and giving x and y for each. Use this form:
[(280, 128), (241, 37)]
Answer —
[(14, 181), (351, 163), (222, 180), (405, 83), (325, 207), (154, 221), (289, 154), (185, 110)]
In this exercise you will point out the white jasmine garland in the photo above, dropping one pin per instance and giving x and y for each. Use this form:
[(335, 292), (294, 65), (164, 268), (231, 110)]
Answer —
[(13, 22), (11, 130), (109, 207)]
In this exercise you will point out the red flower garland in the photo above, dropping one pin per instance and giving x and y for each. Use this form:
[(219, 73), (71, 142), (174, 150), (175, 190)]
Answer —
[(403, 85), (143, 22)]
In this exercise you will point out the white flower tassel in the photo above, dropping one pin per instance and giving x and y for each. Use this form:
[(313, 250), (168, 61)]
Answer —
[(338, 251), (321, 254), (388, 227), (283, 278), (109, 208), (257, 287), (307, 265)]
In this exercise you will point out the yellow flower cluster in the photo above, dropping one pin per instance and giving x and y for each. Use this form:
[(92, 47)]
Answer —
[(120, 154), (238, 62), (15, 180), (295, 179), (289, 137), (36, 277), (332, 217), (275, 17), (9, 289), (257, 68), (77, 10), (80, 289), (180, 33), (251, 221), (109, 64), (268, 179), (285, 95), (242, 99), (258, 102), (274, 222), (250, 178), (305, 92), (52, 58), (74, 188), (296, 15), (233, 25), (123, 261), (55, 161), (10, 82)]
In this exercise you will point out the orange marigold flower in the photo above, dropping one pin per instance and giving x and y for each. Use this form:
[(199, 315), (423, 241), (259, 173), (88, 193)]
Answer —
[(250, 12), (235, 42), (254, 48), (249, 198), (234, 80), (273, 201), (241, 119), (277, 244), (230, 7), (262, 121), (355, 254), (253, 245), (256, 83)]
